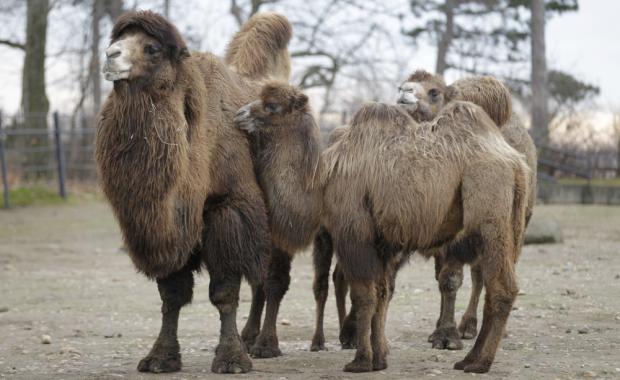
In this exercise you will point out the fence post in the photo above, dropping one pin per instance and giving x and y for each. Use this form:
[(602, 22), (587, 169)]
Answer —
[(60, 157), (5, 179)]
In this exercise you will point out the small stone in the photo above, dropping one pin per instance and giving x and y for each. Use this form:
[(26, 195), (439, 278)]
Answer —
[(588, 374), (568, 331), (617, 369), (112, 335), (569, 292), (285, 322), (527, 365), (617, 277), (417, 291), (583, 330), (521, 293), (436, 372), (3, 309), (46, 339)]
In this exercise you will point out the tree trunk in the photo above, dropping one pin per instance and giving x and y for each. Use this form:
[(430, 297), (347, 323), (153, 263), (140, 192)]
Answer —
[(167, 9), (95, 63), (34, 97), (114, 8), (443, 46), (35, 104), (540, 113)]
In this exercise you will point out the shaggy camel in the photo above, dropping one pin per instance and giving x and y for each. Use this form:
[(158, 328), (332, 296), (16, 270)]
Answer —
[(393, 186), (285, 145), (425, 95), (179, 175)]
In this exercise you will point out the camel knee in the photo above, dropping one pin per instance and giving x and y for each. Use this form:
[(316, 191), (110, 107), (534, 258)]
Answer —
[(176, 290), (450, 280), (224, 295)]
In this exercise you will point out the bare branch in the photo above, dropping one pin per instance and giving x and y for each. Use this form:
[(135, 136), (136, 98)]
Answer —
[(13, 44)]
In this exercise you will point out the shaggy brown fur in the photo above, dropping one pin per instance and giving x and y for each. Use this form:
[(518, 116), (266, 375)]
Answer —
[(487, 92), (494, 98), (285, 144), (180, 180), (269, 32), (394, 186)]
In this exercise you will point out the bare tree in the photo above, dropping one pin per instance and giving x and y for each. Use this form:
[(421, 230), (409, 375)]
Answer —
[(242, 11), (540, 121)]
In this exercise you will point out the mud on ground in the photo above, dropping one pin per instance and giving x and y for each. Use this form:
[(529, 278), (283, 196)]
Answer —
[(62, 275)]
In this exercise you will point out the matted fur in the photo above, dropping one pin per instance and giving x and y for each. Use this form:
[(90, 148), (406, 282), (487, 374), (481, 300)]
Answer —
[(263, 32), (393, 185), (163, 151), (487, 92), (154, 26), (287, 158)]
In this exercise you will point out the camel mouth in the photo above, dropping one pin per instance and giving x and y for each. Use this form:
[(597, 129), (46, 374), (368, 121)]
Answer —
[(114, 76)]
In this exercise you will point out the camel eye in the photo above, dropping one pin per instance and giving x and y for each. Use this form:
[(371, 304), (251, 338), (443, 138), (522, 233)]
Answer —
[(272, 108), (152, 49), (433, 93)]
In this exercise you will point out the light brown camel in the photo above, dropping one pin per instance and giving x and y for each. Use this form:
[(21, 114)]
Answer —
[(286, 153), (424, 95), (179, 176), (394, 185)]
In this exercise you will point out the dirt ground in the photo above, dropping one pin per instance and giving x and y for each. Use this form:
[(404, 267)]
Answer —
[(62, 275)]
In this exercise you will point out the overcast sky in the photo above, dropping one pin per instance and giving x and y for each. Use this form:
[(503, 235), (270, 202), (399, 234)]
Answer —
[(585, 43)]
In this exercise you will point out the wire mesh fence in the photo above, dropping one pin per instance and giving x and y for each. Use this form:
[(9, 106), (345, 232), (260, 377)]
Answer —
[(51, 150)]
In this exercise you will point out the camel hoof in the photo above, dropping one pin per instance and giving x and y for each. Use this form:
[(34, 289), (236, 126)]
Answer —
[(359, 366), (231, 358), (467, 328), (482, 366), (446, 339), (160, 363), (318, 344), (262, 350), (379, 364)]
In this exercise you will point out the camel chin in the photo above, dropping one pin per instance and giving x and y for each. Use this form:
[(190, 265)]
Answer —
[(114, 76)]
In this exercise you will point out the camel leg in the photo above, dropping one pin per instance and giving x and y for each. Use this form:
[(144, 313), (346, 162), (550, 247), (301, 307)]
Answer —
[(501, 291), (377, 336), (364, 299), (450, 278), (278, 280), (469, 321), (175, 291), (230, 353), (252, 326), (322, 255), (341, 288)]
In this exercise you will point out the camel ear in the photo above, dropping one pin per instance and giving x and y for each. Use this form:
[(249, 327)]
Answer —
[(300, 101), (184, 53), (451, 93)]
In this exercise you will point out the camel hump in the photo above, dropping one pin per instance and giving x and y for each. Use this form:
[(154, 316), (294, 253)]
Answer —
[(489, 93), (259, 49)]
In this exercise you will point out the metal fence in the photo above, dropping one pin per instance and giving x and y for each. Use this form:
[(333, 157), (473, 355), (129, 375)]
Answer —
[(46, 149)]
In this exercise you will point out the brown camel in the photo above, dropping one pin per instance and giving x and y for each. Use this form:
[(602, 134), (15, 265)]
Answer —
[(424, 95), (395, 186), (285, 145), (179, 176)]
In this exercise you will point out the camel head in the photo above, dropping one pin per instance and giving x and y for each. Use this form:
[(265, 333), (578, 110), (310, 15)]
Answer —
[(145, 48), (424, 95), (277, 105)]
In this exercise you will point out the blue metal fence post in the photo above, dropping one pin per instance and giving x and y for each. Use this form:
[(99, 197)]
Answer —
[(60, 157), (5, 180)]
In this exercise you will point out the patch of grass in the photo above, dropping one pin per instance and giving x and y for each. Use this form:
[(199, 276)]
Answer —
[(29, 196), (595, 182)]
